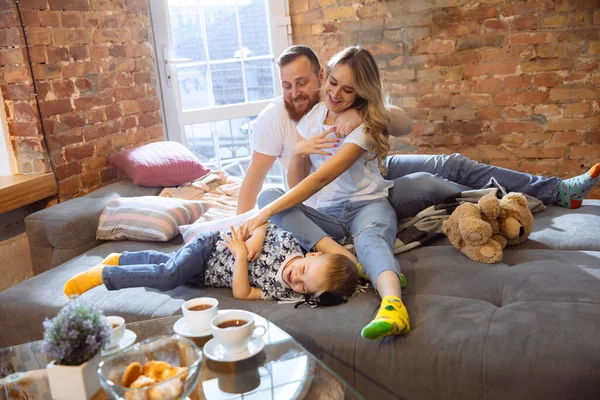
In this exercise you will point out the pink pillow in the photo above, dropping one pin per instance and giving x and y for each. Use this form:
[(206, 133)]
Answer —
[(159, 164)]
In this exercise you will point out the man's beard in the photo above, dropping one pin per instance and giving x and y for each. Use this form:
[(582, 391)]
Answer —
[(295, 114)]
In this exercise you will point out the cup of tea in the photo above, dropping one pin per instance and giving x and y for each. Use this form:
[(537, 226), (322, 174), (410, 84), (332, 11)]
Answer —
[(199, 312), (234, 329), (118, 329)]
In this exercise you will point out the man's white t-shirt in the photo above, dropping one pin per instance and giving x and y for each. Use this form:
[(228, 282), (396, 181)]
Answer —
[(362, 181), (274, 133)]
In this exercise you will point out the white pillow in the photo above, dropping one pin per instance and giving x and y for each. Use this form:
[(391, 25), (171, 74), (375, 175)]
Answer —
[(190, 231)]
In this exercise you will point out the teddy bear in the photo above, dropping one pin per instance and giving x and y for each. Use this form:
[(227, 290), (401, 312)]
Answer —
[(481, 231)]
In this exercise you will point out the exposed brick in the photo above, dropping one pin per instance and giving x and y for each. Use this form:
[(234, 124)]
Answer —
[(461, 127), (95, 100), (57, 54), (534, 97), (50, 19), (78, 5), (475, 99), (571, 94), (69, 187), (23, 110), (80, 53), (491, 69), (95, 163), (10, 37), (46, 71), (520, 127), (516, 82), (71, 20), (23, 128), (517, 112), (18, 74), (546, 65), (584, 151), (522, 53), (577, 109), (522, 23), (129, 107), (550, 50), (73, 36), (574, 124), (101, 130), (79, 152), (11, 56), (548, 110), (63, 89), (487, 114), (55, 107), (95, 115), (546, 80), (67, 170), (489, 85), (567, 137), (17, 92), (475, 42), (72, 120), (528, 38)]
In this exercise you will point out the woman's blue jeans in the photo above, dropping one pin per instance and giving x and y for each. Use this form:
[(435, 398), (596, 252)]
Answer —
[(371, 225)]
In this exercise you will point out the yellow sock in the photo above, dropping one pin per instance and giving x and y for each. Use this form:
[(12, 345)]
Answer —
[(112, 259), (392, 319), (84, 281)]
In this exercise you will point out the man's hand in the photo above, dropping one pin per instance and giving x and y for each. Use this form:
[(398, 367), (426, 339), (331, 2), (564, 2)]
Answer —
[(316, 144), (235, 243), (348, 121)]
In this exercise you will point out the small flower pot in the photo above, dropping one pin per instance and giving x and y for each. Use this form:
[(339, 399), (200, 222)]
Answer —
[(74, 382)]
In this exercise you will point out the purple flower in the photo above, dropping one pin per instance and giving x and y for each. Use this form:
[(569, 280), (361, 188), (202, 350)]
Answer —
[(76, 334)]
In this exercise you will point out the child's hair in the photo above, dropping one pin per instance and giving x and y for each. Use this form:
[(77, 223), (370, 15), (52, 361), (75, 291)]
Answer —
[(371, 101), (342, 274)]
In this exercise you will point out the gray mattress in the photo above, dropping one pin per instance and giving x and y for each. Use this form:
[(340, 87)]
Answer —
[(526, 328)]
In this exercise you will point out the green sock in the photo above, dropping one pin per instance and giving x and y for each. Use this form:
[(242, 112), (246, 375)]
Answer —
[(571, 192), (391, 319)]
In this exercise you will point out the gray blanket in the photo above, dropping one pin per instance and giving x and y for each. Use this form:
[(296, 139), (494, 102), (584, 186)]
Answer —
[(426, 227)]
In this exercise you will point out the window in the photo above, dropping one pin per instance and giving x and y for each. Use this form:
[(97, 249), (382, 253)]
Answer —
[(217, 72)]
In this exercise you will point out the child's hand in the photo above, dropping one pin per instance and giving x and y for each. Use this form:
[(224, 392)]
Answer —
[(235, 243)]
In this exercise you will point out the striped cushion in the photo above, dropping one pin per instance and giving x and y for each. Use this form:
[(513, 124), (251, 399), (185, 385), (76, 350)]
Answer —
[(148, 218)]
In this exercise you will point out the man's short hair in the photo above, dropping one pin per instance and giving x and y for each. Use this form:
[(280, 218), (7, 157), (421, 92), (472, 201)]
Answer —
[(292, 53)]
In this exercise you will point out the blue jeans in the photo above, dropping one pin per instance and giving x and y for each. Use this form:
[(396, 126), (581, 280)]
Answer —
[(371, 225), (162, 271), (421, 181)]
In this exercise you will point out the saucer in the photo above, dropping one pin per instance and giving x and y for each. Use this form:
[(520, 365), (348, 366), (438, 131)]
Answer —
[(182, 328), (215, 351), (127, 340)]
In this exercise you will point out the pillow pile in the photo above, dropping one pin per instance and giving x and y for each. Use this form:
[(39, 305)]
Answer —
[(159, 164), (147, 218)]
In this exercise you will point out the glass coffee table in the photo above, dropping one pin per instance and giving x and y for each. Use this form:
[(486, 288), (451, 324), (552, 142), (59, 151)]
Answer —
[(282, 370)]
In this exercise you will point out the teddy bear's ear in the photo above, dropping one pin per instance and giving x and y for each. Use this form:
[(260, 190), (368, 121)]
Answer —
[(515, 196)]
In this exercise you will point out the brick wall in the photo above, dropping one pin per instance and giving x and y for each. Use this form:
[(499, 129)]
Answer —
[(507, 82), (94, 71)]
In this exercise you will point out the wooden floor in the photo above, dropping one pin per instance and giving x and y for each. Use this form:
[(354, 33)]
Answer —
[(20, 190)]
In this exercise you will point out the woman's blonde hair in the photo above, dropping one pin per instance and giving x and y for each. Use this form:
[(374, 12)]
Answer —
[(371, 101)]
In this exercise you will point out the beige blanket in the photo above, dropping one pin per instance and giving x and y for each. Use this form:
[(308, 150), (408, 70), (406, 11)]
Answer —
[(217, 188)]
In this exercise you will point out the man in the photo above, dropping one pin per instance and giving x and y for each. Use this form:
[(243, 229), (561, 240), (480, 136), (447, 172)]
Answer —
[(419, 180)]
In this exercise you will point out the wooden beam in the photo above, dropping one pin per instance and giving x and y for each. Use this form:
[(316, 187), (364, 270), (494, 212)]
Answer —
[(20, 190)]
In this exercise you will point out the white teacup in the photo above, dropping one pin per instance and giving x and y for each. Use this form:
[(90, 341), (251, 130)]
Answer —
[(199, 320), (118, 329), (235, 338)]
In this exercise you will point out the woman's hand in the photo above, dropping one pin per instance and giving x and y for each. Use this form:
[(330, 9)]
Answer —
[(316, 144), (347, 121), (253, 223), (235, 243)]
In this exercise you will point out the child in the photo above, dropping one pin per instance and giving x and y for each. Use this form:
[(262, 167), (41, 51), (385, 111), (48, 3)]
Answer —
[(281, 271)]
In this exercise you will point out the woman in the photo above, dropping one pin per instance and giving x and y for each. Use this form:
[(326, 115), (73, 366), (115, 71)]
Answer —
[(351, 192)]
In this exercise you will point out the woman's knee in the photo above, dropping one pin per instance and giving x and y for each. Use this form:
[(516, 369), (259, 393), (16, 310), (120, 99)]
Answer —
[(268, 196)]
